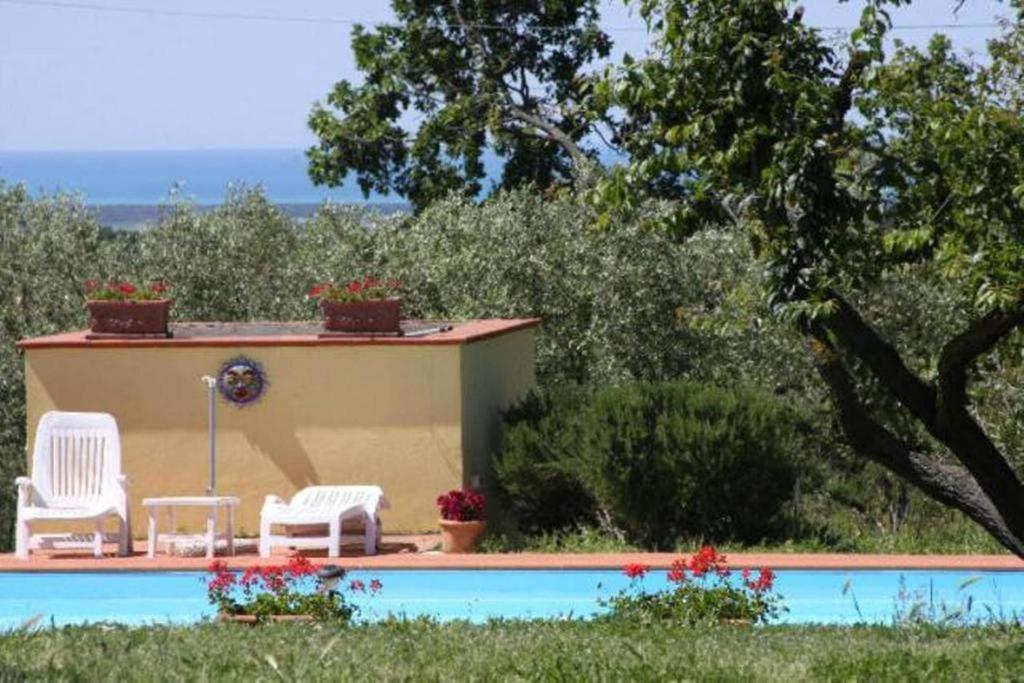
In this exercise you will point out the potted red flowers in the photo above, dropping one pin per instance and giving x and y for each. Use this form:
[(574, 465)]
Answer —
[(462, 522), (297, 591), (124, 308), (367, 305), (703, 590)]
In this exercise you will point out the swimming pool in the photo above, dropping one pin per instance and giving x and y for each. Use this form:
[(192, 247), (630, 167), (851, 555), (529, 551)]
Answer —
[(812, 596)]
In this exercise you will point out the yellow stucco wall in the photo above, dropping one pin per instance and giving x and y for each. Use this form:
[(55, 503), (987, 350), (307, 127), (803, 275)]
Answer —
[(415, 419), (495, 372)]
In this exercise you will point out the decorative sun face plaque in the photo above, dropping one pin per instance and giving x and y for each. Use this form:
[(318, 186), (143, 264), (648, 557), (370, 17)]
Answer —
[(241, 381)]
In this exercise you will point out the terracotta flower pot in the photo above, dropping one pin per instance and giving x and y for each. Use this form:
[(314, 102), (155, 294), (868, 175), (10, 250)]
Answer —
[(460, 537), (129, 317), (374, 315)]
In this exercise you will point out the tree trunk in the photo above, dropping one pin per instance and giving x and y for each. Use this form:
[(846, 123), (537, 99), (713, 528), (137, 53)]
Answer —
[(982, 484)]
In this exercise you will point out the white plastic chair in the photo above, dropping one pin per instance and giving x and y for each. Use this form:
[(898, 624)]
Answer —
[(323, 505), (76, 476)]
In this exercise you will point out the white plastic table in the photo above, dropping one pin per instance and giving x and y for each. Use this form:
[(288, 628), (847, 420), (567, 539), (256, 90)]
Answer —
[(212, 505)]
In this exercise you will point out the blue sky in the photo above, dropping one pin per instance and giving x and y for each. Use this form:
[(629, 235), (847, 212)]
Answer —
[(73, 77)]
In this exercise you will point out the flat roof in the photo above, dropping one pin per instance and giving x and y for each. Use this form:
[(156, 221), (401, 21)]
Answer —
[(300, 333)]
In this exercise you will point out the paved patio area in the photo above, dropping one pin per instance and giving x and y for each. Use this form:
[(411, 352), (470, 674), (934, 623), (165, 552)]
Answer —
[(420, 552)]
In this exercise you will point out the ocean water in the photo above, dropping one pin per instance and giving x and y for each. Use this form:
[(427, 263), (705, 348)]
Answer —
[(126, 189), (143, 178)]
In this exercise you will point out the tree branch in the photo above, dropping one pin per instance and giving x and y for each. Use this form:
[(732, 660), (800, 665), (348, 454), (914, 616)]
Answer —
[(843, 100), (552, 131), (955, 425), (947, 483), (943, 412), (884, 361), (978, 338)]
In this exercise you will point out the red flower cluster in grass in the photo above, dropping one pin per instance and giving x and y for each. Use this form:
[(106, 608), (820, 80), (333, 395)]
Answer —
[(273, 578), (357, 586), (461, 506), (357, 290), (764, 582), (677, 573), (635, 570), (223, 578), (708, 561), (123, 291), (705, 562)]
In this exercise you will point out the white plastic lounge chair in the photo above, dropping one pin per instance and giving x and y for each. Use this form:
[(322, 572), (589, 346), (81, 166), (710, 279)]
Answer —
[(76, 476), (323, 505)]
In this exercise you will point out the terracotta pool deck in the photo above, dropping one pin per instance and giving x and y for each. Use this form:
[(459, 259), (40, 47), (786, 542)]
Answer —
[(417, 552)]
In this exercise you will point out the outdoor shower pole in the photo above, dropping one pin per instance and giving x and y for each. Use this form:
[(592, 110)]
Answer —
[(211, 386)]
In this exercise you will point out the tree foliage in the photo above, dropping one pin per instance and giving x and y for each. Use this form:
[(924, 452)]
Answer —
[(844, 166), (477, 74)]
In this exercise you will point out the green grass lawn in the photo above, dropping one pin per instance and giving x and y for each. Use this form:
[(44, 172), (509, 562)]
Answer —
[(562, 651)]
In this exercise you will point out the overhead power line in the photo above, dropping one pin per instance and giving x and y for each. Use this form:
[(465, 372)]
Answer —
[(293, 19)]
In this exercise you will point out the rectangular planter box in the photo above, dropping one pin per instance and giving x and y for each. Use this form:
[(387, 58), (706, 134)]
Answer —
[(129, 317), (377, 315)]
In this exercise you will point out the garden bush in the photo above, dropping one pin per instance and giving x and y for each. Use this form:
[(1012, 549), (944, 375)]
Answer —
[(658, 462), (538, 469)]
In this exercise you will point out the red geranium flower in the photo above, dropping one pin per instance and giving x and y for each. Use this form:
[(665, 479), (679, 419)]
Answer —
[(765, 580), (357, 586), (250, 576), (461, 505), (375, 586), (708, 560), (635, 570), (677, 573), (300, 566), (274, 578)]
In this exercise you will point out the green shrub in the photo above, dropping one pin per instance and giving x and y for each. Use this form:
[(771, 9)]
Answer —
[(659, 462), (538, 468), (669, 461)]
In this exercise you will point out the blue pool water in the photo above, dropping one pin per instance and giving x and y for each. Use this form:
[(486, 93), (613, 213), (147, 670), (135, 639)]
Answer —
[(811, 596)]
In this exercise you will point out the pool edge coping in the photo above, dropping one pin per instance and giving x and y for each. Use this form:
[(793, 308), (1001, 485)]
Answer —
[(525, 561)]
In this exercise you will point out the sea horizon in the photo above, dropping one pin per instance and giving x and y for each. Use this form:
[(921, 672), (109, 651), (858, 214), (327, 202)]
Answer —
[(156, 177)]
